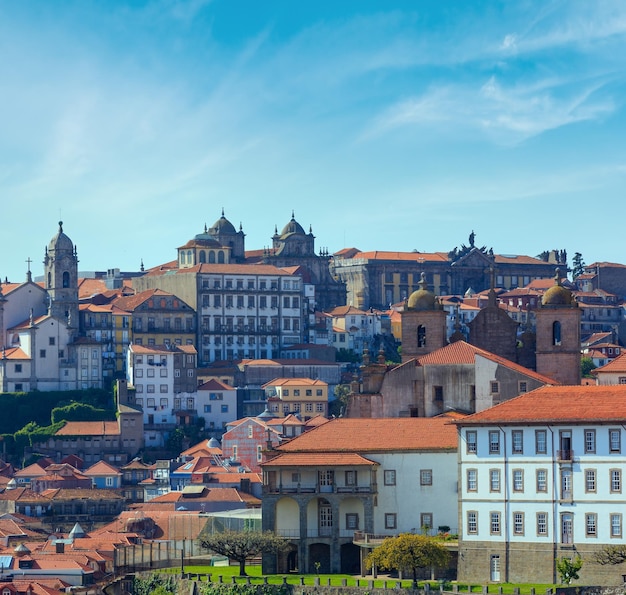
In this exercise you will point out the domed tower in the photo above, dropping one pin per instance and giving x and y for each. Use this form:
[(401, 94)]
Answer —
[(423, 323), (61, 277), (558, 334), (224, 232), (293, 240)]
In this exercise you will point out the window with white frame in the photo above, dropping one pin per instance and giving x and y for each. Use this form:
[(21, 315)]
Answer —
[(494, 442), (518, 523), (426, 521), (542, 523), (590, 441), (541, 442), (614, 440), (471, 441), (351, 477), (494, 480), (472, 480), (542, 480), (390, 520), (616, 524), (590, 480), (518, 480), (591, 524), (389, 477), (616, 480), (517, 440), (472, 522), (494, 521), (426, 477)]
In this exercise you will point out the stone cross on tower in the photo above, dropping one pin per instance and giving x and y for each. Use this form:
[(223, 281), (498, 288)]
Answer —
[(29, 276)]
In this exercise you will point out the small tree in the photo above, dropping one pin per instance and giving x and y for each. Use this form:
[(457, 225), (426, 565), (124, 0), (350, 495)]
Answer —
[(586, 365), (611, 554), (578, 265), (409, 552), (241, 545), (568, 569)]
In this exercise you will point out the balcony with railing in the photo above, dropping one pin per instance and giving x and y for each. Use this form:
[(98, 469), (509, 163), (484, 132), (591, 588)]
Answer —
[(565, 455)]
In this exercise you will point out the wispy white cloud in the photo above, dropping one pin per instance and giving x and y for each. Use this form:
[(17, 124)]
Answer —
[(507, 115)]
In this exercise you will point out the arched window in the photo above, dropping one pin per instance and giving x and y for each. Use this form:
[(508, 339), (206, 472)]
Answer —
[(66, 279), (182, 257), (49, 280), (202, 256), (421, 336), (556, 333), (189, 257), (220, 257), (211, 256)]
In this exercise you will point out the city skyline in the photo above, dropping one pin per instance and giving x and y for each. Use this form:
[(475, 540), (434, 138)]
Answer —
[(400, 127)]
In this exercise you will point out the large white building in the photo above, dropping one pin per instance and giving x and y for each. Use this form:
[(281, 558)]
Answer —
[(336, 490), (164, 379), (39, 339), (541, 478)]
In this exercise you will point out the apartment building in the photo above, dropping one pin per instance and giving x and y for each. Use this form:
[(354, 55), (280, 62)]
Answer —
[(541, 478)]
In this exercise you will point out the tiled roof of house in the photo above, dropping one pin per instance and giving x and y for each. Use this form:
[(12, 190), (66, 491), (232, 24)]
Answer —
[(517, 259), (225, 269), (558, 404), (294, 382), (616, 365), (89, 428), (346, 311), (22, 494), (131, 302), (136, 464), (315, 459), (102, 468), (89, 287), (80, 494), (26, 323), (215, 385), (159, 349), (34, 470), (15, 353), (390, 255), (461, 352), (377, 435)]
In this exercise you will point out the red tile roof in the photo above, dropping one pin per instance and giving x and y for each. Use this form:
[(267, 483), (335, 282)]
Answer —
[(312, 459), (377, 435), (558, 404), (102, 468), (215, 385), (89, 428), (148, 349), (461, 352), (224, 269), (408, 256), (616, 365)]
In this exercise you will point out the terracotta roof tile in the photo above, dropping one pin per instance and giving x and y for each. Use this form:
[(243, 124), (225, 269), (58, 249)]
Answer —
[(418, 257), (558, 404), (377, 435), (314, 459), (617, 365), (461, 352), (223, 269), (89, 428)]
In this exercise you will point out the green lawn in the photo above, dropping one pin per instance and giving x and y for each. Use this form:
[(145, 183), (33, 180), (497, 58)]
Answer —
[(254, 572)]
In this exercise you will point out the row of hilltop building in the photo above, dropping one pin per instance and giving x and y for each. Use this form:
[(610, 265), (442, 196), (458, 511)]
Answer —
[(67, 330), (483, 430)]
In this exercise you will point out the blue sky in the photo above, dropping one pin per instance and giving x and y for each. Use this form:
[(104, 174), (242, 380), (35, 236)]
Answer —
[(384, 125)]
